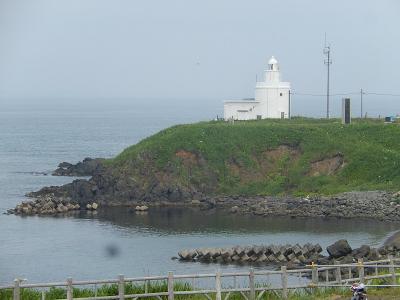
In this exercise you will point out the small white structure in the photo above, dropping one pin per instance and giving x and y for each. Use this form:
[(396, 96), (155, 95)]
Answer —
[(272, 98)]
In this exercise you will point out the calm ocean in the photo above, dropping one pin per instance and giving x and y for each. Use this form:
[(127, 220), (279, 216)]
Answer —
[(34, 140)]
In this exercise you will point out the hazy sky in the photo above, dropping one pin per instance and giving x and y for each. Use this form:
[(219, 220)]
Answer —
[(81, 50)]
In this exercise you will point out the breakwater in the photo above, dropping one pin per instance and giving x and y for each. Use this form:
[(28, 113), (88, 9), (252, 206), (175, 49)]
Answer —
[(291, 255), (273, 254)]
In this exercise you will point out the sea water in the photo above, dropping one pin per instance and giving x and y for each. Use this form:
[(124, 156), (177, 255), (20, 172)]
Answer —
[(34, 139)]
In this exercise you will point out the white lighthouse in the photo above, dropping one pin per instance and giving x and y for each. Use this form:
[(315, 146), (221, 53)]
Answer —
[(272, 98)]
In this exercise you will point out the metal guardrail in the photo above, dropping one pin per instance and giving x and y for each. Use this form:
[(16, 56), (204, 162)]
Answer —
[(321, 277)]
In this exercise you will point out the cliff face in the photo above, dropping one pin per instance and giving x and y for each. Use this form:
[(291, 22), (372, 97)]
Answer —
[(266, 157), (141, 181)]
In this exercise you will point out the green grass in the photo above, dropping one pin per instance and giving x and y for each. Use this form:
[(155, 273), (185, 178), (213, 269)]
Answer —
[(112, 290), (371, 152), (103, 290)]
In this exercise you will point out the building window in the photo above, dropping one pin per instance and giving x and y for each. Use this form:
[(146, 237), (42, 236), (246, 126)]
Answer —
[(280, 94), (259, 117)]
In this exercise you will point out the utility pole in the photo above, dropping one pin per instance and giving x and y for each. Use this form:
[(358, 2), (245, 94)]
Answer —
[(327, 62), (361, 103)]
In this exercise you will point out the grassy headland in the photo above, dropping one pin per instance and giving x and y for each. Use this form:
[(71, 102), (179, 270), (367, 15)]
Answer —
[(269, 157)]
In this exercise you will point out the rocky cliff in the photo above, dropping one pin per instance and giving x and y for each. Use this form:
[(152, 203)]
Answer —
[(206, 161)]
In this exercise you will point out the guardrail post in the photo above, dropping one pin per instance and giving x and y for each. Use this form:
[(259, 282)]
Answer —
[(392, 271), (361, 272), (17, 290), (252, 285), (121, 287), (170, 286), (284, 279), (218, 295), (338, 274), (69, 289), (314, 275)]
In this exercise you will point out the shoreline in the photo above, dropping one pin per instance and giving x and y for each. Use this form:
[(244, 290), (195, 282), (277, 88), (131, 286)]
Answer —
[(100, 191), (375, 205)]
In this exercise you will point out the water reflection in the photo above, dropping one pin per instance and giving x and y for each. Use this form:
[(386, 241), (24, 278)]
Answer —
[(117, 241), (195, 221)]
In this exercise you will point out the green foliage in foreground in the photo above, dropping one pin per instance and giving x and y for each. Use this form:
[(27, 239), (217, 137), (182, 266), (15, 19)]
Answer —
[(371, 151), (112, 290), (161, 286)]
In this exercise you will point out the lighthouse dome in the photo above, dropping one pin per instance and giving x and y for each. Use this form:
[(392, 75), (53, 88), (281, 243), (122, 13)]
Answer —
[(273, 64), (272, 61)]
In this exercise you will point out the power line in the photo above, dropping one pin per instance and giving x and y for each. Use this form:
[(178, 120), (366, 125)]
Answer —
[(305, 94), (382, 94), (345, 94), (320, 95)]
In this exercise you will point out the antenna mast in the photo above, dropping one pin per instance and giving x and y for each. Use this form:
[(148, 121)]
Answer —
[(327, 62)]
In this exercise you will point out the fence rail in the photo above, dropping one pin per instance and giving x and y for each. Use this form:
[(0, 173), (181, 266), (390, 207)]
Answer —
[(337, 275)]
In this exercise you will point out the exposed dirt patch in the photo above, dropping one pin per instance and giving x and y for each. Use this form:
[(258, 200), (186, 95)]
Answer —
[(192, 160), (246, 174), (281, 151), (188, 158), (269, 162), (198, 171), (327, 166), (273, 160)]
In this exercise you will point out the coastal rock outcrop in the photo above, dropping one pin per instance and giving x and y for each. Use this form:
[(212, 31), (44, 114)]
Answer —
[(50, 205), (88, 167)]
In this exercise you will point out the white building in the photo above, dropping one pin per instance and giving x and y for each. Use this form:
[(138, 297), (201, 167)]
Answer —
[(272, 98)]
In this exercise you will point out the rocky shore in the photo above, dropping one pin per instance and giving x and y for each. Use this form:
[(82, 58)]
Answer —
[(103, 190), (87, 167), (374, 205), (377, 205), (49, 206)]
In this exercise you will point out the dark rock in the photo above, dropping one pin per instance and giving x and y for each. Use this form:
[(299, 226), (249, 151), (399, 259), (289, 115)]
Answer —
[(323, 261), (393, 241), (318, 248), (339, 249), (374, 255), (82, 191), (382, 250), (348, 259), (88, 167), (361, 252)]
